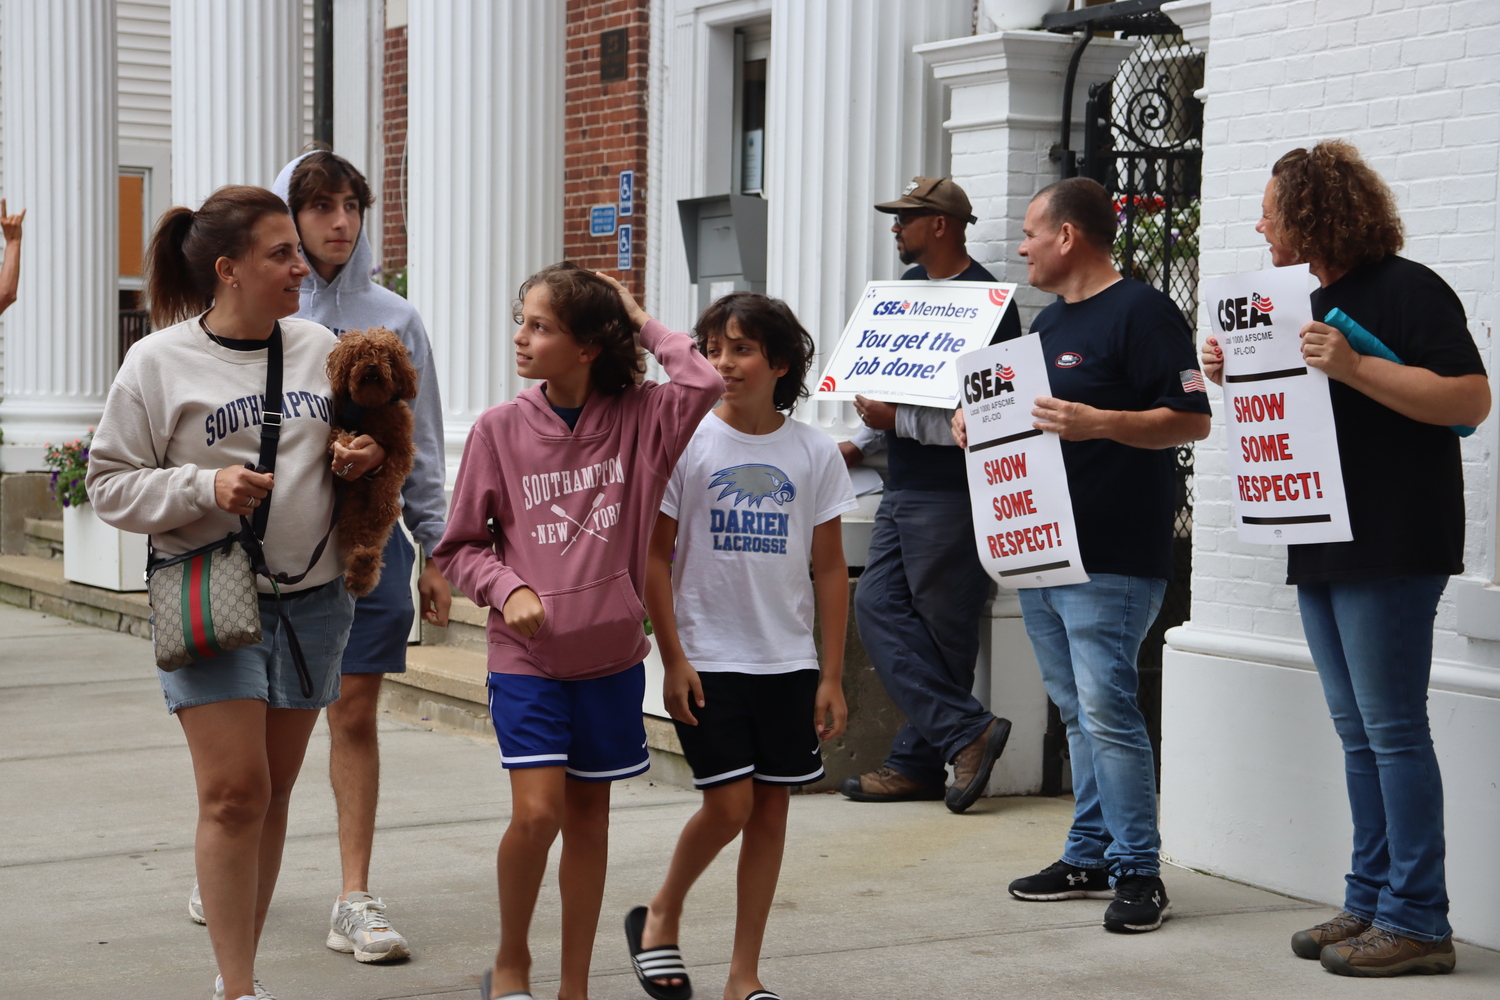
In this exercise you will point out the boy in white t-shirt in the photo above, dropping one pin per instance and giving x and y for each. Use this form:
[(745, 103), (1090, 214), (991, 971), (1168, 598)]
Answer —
[(755, 497)]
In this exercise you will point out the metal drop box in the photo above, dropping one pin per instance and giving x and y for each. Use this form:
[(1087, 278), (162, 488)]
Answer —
[(725, 239)]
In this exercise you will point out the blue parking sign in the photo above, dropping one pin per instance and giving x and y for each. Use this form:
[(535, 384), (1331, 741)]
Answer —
[(624, 258), (627, 192), (602, 220)]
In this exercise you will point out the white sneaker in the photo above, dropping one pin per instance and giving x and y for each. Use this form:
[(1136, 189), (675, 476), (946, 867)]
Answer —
[(358, 925), (195, 907), (261, 993)]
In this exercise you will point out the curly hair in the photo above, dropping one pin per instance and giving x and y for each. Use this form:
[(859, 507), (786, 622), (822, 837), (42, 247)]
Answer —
[(592, 314), (1332, 208), (772, 324)]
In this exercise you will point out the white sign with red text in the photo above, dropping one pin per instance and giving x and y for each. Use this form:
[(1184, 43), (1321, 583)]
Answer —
[(1284, 468), (1018, 487), (902, 343)]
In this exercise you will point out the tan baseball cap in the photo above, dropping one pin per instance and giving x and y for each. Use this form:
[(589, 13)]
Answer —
[(938, 194)]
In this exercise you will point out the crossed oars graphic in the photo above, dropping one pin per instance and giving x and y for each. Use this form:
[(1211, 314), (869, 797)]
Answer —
[(581, 524)]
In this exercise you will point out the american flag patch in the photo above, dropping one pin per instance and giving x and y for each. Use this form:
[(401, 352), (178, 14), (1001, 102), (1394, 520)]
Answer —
[(1192, 380)]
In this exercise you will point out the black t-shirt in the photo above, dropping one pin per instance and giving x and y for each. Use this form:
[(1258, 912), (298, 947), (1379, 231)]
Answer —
[(1125, 348), (1404, 480), (912, 465)]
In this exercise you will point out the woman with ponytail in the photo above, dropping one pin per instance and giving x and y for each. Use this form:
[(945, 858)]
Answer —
[(174, 457)]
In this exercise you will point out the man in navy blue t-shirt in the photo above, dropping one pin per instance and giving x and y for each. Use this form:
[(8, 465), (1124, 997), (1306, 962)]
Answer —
[(1126, 391), (923, 588)]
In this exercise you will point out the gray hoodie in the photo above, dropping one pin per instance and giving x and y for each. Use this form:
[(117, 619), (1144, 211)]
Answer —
[(353, 301)]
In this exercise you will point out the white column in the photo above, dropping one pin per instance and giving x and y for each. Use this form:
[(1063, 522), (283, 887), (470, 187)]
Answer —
[(236, 93), (358, 108), (1007, 94), (485, 184), (852, 116), (1193, 17), (60, 165)]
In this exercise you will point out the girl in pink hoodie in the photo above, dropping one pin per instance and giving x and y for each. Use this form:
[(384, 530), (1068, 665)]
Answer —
[(551, 513)]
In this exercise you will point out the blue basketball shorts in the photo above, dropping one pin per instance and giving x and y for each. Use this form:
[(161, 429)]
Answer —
[(591, 727)]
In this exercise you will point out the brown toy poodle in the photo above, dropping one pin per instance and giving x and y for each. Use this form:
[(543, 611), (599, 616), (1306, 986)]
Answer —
[(371, 378)]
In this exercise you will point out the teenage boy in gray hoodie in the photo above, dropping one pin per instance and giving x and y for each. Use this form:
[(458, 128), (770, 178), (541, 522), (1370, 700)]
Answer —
[(328, 198)]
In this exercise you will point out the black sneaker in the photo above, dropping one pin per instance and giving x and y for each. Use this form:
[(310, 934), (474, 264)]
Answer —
[(1140, 905), (1061, 880)]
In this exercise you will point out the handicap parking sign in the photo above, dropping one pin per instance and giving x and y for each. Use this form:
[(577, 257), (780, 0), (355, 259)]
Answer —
[(627, 192), (624, 257)]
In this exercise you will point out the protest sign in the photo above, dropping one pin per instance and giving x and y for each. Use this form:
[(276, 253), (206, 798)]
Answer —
[(1283, 451), (903, 341), (1018, 488)]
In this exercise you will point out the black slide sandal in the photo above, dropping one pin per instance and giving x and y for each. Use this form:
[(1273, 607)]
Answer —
[(663, 961), (762, 995)]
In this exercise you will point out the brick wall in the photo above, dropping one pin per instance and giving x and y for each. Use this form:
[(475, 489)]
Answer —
[(1416, 86), (393, 171), (605, 132)]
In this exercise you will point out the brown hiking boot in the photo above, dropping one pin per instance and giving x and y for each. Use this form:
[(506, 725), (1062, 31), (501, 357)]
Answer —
[(885, 784), (1378, 952), (972, 766), (1309, 943)]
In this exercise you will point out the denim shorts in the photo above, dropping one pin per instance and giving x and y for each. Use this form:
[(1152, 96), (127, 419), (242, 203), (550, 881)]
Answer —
[(265, 670)]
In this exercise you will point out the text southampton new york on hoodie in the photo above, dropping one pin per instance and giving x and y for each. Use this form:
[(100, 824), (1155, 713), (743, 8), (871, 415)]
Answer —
[(573, 512)]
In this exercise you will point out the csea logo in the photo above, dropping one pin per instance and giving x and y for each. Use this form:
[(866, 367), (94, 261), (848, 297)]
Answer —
[(1243, 313), (987, 383), (1069, 359), (891, 308)]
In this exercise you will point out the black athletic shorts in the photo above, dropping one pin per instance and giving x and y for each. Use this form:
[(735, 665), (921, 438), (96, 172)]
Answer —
[(754, 726)]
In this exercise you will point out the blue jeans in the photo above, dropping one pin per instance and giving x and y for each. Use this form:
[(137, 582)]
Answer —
[(918, 605), (1372, 643), (1086, 637)]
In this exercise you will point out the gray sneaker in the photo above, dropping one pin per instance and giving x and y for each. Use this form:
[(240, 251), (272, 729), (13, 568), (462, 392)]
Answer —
[(195, 907), (359, 926), (261, 993)]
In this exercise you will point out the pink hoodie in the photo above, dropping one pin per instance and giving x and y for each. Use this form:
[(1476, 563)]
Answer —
[(573, 512)]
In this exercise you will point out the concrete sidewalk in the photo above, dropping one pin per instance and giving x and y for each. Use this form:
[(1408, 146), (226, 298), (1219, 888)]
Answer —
[(96, 827)]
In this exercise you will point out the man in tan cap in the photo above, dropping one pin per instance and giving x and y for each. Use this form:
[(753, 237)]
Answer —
[(923, 587)]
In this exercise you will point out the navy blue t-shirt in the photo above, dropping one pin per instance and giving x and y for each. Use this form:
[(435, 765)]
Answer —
[(1125, 348), (912, 465)]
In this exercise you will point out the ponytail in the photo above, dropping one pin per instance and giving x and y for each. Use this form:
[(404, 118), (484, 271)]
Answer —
[(170, 289), (180, 262)]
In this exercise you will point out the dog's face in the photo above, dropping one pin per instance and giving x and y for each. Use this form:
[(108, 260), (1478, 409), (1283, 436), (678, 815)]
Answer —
[(371, 367)]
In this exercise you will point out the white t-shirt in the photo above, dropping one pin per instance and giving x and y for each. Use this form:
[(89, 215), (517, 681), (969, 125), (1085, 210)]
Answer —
[(746, 506)]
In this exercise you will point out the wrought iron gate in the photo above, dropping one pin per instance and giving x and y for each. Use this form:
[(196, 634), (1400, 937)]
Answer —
[(1143, 140)]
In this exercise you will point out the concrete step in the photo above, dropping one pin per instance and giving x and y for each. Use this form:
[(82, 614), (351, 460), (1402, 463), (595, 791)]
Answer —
[(465, 630), (37, 583), (43, 538)]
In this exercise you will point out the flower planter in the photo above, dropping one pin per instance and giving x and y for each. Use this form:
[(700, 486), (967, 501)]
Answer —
[(100, 556)]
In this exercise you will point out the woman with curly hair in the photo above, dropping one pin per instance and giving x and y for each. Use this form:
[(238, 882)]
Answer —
[(552, 509), (1368, 605)]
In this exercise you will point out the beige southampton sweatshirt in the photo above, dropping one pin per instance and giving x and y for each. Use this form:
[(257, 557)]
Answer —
[(182, 408)]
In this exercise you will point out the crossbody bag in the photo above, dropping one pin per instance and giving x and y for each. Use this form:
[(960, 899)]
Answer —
[(204, 602)]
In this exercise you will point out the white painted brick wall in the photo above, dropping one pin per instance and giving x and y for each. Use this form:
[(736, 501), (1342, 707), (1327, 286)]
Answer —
[(1415, 84)]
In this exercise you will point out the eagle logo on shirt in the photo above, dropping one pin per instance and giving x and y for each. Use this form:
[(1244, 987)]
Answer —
[(754, 483)]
